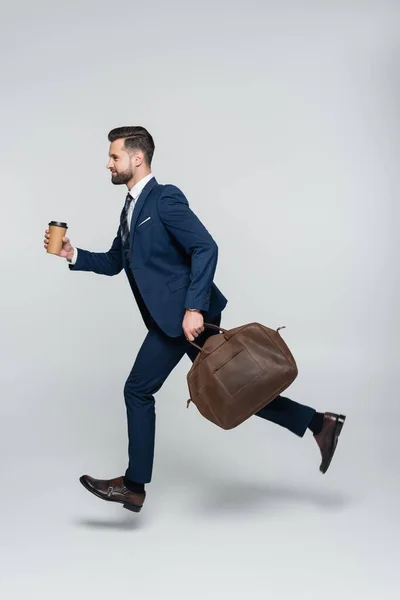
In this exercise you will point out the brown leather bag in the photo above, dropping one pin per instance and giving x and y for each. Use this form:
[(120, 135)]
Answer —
[(238, 372)]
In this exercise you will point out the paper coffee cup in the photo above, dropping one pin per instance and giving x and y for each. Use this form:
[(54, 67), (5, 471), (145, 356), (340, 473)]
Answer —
[(57, 230)]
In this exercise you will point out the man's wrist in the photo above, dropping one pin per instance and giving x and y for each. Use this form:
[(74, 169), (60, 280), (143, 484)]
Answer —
[(71, 255)]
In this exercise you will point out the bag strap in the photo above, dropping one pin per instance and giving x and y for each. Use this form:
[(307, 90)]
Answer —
[(212, 327), (223, 331)]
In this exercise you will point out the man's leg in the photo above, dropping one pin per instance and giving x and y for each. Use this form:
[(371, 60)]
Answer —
[(289, 414), (157, 357)]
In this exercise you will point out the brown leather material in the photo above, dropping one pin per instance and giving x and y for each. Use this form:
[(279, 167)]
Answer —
[(327, 438), (238, 372), (114, 490)]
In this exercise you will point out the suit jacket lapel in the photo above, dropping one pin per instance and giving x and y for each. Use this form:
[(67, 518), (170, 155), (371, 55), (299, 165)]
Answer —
[(139, 205)]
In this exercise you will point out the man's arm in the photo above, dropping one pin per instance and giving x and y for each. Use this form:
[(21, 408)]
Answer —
[(197, 242), (103, 263)]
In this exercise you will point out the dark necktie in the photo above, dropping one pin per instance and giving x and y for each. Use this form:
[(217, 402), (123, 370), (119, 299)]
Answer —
[(124, 226)]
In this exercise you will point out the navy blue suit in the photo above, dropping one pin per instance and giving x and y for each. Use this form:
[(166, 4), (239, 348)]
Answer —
[(172, 263), (173, 259)]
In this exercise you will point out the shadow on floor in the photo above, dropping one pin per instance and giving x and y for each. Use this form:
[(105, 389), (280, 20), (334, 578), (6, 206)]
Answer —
[(129, 523)]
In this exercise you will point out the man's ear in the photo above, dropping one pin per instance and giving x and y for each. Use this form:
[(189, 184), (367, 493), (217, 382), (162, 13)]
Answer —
[(139, 158)]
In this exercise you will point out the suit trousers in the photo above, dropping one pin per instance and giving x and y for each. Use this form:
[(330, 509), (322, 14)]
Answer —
[(157, 357)]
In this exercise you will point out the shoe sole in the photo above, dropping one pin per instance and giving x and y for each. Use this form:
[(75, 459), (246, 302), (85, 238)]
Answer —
[(132, 507), (338, 428)]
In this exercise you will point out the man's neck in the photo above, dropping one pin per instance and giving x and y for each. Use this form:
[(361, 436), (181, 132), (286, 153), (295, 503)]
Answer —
[(136, 179)]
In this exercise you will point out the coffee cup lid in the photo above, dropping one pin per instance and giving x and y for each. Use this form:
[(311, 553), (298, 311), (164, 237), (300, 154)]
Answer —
[(58, 224)]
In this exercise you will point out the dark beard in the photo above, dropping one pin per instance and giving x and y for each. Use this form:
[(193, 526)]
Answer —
[(121, 178)]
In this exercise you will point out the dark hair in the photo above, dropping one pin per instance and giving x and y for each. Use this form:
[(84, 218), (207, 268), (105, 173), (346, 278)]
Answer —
[(135, 138)]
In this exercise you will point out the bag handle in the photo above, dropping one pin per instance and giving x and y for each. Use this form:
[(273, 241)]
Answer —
[(218, 328), (212, 327)]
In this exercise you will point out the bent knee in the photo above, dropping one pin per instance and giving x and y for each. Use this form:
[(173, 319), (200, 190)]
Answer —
[(140, 389)]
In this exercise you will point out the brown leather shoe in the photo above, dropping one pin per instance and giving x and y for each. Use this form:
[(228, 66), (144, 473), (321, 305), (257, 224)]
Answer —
[(327, 438), (114, 490)]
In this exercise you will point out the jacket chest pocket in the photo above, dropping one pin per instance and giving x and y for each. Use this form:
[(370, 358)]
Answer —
[(143, 225), (143, 239)]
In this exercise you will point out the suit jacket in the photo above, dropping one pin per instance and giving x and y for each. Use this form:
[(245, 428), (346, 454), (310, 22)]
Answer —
[(173, 258)]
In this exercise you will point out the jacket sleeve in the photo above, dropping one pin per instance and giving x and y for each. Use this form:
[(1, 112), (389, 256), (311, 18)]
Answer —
[(196, 241), (103, 263)]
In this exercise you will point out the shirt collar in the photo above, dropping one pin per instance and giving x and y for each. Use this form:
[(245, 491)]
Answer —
[(138, 187)]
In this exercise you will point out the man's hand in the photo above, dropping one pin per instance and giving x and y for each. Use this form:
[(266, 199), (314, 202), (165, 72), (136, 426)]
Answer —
[(67, 250), (193, 324)]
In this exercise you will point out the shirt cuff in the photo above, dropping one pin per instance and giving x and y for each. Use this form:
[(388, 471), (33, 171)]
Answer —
[(74, 258)]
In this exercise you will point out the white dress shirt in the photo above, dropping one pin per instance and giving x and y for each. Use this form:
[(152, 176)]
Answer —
[(134, 192)]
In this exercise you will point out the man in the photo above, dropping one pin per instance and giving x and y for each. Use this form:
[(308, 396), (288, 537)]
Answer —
[(170, 259)]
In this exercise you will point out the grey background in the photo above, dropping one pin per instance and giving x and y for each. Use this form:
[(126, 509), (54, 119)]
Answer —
[(279, 121)]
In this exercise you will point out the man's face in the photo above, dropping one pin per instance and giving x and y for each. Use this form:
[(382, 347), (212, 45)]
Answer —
[(121, 164)]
